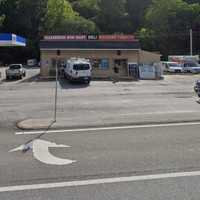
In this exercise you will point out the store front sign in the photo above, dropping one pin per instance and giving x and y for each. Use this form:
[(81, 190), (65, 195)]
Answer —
[(90, 37)]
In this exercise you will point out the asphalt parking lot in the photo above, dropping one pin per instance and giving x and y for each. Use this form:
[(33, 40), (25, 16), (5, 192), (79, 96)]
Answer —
[(100, 103)]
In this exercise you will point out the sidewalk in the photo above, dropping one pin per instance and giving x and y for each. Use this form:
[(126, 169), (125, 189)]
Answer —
[(143, 119)]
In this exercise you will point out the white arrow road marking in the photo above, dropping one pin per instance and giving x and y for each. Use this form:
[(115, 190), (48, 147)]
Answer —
[(41, 152), (20, 148)]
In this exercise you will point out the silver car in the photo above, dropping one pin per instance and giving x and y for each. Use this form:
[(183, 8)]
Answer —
[(15, 71)]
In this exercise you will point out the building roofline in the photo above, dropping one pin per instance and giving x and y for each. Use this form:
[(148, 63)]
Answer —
[(89, 45), (67, 49)]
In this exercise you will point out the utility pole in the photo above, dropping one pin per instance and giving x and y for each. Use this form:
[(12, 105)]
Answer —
[(56, 87), (191, 42)]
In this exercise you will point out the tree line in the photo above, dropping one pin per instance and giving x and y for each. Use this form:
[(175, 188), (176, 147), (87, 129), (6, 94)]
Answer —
[(160, 25)]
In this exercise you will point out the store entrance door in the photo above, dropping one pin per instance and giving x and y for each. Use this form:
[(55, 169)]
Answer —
[(133, 70), (120, 67), (52, 70)]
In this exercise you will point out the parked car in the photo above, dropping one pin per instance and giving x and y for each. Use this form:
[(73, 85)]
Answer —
[(197, 87), (191, 67), (32, 63), (172, 67), (78, 69), (15, 71)]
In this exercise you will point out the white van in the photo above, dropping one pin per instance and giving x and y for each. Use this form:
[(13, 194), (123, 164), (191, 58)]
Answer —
[(192, 67), (172, 67), (78, 69)]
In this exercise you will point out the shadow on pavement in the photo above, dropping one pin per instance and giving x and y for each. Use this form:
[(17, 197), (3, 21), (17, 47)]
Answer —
[(9, 80), (76, 85), (181, 73), (34, 78), (31, 67)]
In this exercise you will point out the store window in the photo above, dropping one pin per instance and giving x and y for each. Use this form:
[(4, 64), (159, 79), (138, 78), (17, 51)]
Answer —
[(104, 63), (100, 63)]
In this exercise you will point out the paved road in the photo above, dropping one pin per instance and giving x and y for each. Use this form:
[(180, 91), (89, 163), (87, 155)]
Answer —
[(101, 155), (106, 154)]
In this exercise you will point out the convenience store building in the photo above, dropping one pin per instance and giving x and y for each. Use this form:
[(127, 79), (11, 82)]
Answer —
[(110, 55)]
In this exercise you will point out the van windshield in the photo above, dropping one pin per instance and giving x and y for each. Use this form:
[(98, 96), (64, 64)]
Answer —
[(15, 67), (174, 65), (80, 67)]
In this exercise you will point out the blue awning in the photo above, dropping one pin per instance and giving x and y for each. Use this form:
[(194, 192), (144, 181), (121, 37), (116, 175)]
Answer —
[(8, 39)]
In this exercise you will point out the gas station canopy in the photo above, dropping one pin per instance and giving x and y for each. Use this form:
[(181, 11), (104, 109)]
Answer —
[(11, 40)]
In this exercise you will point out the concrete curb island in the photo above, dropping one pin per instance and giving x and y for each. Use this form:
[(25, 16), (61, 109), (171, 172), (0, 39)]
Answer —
[(43, 124)]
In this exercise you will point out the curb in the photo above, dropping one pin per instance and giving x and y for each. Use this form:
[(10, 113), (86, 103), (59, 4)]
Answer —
[(22, 127)]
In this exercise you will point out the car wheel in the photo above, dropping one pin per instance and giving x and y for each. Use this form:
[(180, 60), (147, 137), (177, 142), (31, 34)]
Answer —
[(87, 82), (7, 77)]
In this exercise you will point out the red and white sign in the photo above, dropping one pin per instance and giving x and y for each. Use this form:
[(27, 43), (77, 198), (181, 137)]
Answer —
[(54, 37), (76, 37), (65, 37), (90, 37), (117, 37)]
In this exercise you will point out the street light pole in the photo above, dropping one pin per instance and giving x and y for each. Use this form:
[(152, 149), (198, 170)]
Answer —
[(56, 92), (56, 87), (191, 42)]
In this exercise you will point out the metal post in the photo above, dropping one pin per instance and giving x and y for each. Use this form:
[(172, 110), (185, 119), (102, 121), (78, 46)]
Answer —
[(56, 92), (191, 42)]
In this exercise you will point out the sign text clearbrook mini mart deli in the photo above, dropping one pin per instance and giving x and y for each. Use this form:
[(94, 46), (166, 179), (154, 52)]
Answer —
[(91, 37)]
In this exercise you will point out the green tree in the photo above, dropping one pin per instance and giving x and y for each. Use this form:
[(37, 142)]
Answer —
[(192, 1), (170, 22), (24, 18), (136, 10), (58, 11), (77, 25), (86, 8), (61, 19), (2, 17), (113, 17)]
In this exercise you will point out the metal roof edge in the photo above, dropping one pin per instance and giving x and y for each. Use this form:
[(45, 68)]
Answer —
[(67, 49)]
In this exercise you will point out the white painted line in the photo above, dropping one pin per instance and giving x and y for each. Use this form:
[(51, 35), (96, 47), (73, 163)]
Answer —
[(98, 181), (108, 128)]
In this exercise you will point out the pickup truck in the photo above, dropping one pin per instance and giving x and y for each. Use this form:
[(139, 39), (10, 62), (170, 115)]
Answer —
[(15, 71)]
